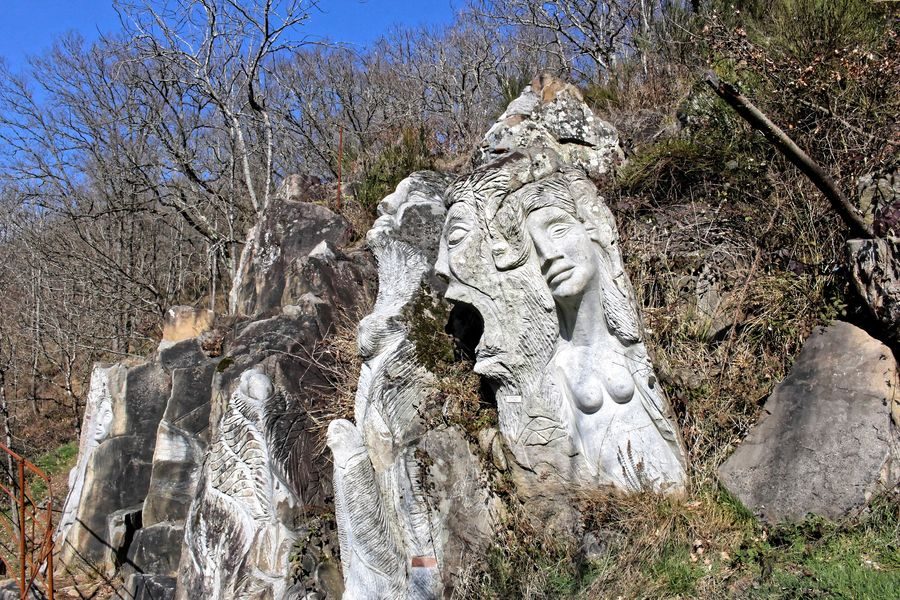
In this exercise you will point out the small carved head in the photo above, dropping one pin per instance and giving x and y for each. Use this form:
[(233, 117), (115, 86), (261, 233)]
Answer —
[(550, 217)]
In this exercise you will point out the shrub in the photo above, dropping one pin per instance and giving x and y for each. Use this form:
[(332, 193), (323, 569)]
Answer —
[(409, 153)]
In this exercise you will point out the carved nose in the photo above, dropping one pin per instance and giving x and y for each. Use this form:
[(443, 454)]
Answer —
[(546, 250), (442, 265), (548, 259), (457, 293)]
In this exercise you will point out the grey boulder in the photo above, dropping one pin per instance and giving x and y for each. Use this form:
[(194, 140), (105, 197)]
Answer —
[(826, 442)]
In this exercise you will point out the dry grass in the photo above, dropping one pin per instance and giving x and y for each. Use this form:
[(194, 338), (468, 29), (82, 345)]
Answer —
[(654, 540), (771, 253), (525, 561), (336, 356)]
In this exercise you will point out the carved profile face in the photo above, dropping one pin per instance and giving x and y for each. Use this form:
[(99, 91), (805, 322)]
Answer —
[(464, 261), (565, 252)]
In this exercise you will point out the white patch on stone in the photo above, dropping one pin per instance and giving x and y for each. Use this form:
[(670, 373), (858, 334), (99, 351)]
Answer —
[(322, 250)]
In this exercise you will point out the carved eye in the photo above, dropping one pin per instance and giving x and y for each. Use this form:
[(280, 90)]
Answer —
[(456, 235), (558, 230)]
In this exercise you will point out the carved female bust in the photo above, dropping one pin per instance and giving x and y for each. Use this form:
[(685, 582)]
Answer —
[(530, 244), (567, 250), (599, 375)]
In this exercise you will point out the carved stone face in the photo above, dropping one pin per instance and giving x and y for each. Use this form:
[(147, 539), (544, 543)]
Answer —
[(465, 262), (565, 252)]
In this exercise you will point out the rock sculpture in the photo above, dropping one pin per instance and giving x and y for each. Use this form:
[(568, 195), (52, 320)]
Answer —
[(142, 457), (237, 538), (98, 415), (394, 535), (116, 447), (529, 243)]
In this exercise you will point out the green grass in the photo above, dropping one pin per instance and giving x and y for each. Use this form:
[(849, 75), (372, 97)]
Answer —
[(821, 559), (56, 464), (677, 573), (706, 545), (817, 558)]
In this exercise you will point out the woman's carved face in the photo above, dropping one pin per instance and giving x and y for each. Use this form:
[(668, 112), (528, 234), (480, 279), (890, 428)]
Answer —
[(565, 252)]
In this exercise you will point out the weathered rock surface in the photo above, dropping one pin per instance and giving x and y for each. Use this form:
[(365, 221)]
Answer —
[(879, 198), (237, 543), (875, 269), (94, 430), (9, 590), (297, 249), (181, 441), (141, 445), (116, 473), (148, 587), (400, 515), (825, 442), (552, 114), (150, 428)]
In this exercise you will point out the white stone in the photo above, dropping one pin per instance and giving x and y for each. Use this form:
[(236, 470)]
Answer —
[(98, 416), (529, 243), (390, 537), (322, 250), (236, 544)]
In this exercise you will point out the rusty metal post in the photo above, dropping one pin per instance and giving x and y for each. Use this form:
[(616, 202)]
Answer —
[(49, 578), (22, 566)]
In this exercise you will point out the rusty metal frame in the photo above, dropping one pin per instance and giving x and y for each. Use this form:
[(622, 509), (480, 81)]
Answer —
[(34, 533)]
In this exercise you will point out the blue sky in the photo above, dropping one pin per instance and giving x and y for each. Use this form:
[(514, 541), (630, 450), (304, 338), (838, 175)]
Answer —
[(28, 27)]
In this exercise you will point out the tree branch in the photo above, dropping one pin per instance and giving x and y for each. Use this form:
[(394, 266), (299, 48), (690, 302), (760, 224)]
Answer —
[(793, 153)]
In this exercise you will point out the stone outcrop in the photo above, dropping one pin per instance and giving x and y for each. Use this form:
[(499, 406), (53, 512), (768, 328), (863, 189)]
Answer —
[(875, 270), (113, 473), (179, 451), (171, 447), (142, 443), (95, 425), (398, 514), (296, 249), (553, 115), (826, 441)]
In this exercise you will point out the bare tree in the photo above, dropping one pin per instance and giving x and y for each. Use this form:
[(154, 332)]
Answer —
[(589, 36)]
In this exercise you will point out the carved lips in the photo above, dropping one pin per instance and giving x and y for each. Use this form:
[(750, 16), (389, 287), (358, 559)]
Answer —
[(559, 271), (490, 361)]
